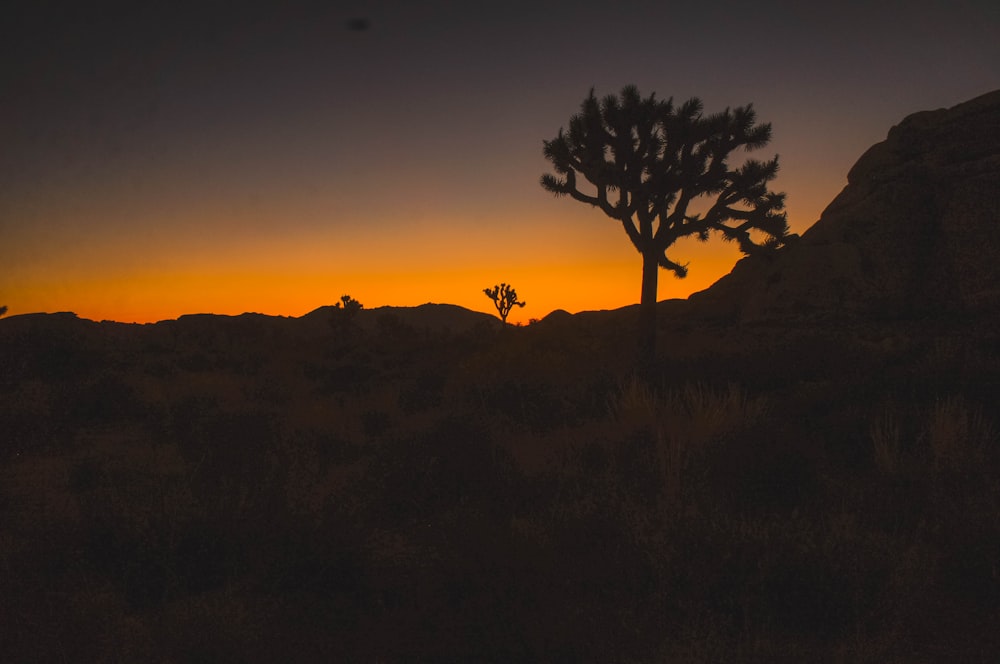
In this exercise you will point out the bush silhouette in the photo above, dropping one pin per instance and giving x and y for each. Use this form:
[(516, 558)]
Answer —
[(348, 304), (344, 313)]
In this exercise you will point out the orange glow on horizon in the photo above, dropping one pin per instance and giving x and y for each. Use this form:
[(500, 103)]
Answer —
[(150, 297), (557, 254)]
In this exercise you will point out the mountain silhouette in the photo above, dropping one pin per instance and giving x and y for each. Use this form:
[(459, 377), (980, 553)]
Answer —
[(430, 316)]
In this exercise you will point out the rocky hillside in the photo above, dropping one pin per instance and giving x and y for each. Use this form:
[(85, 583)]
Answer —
[(915, 233)]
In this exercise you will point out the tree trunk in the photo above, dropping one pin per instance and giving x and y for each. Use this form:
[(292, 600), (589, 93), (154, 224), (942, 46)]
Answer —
[(647, 310)]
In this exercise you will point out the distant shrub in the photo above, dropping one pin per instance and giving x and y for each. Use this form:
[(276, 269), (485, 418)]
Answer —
[(885, 436), (696, 412), (958, 434), (344, 313), (684, 421)]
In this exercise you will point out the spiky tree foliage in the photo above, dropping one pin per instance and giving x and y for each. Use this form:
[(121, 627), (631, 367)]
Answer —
[(504, 298), (663, 172)]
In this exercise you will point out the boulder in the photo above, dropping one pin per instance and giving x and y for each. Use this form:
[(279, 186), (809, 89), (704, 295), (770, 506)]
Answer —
[(915, 233)]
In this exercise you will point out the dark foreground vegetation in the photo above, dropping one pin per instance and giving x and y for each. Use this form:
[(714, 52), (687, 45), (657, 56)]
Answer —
[(231, 490)]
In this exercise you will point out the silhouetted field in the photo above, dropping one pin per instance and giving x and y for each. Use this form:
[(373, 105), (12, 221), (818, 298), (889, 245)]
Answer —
[(255, 489)]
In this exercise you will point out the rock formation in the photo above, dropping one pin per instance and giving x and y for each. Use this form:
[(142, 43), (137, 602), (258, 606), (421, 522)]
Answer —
[(915, 233)]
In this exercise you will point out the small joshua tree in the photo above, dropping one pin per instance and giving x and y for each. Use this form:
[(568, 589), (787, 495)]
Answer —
[(504, 297), (350, 305), (344, 313)]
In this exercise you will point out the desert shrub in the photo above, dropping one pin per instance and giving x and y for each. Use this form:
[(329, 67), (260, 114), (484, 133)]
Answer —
[(762, 469), (590, 588), (424, 392), (106, 399), (27, 419), (239, 451), (395, 337), (208, 627), (375, 422), (349, 376), (426, 472), (525, 404), (198, 360), (186, 417), (886, 443), (958, 434), (696, 411), (59, 356), (967, 572), (685, 424)]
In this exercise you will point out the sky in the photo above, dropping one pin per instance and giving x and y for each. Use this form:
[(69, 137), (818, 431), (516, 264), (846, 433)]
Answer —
[(158, 160)]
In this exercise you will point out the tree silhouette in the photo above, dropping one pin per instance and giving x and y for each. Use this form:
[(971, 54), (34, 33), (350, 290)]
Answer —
[(3, 310), (350, 305), (344, 312), (504, 298), (663, 172)]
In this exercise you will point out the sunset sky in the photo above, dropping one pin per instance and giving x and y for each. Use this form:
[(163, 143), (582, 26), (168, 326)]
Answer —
[(156, 161)]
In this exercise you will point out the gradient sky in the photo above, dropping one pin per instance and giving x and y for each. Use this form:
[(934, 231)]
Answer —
[(156, 161)]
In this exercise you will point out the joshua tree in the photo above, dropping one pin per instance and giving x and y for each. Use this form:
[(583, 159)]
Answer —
[(663, 173), (350, 305), (504, 297), (344, 313)]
